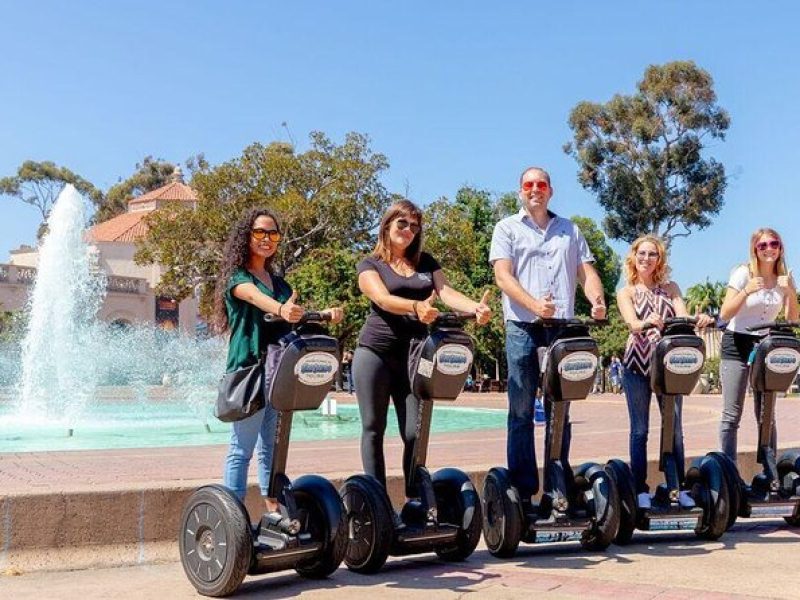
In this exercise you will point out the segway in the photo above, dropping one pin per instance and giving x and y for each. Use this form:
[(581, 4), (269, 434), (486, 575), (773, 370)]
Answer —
[(218, 543), (574, 506), (676, 364), (775, 492), (446, 517)]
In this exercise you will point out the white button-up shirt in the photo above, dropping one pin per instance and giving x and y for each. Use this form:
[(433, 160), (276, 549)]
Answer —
[(543, 260)]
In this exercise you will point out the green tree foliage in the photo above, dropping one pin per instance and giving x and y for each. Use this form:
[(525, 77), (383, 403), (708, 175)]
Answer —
[(706, 297), (40, 183), (642, 155), (327, 277), (607, 263), (612, 338), (458, 234), (328, 196)]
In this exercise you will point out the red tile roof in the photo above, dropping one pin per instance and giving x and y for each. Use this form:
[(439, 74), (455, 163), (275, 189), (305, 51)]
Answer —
[(172, 191), (127, 227)]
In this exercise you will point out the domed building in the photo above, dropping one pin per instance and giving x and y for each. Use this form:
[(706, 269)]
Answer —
[(130, 294)]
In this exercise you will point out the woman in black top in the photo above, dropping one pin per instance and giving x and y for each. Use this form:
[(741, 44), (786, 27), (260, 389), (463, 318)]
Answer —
[(402, 282)]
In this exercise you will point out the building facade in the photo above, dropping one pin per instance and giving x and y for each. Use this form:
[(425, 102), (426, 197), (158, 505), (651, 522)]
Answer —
[(130, 293)]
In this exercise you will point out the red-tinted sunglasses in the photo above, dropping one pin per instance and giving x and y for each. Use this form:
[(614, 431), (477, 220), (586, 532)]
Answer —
[(772, 244), (540, 185)]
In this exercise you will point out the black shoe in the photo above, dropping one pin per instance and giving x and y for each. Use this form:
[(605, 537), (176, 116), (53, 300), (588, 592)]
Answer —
[(397, 522), (277, 522)]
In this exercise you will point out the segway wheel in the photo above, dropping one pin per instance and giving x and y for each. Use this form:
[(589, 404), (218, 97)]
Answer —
[(603, 504), (458, 504), (622, 476), (788, 467), (502, 514), (734, 483), (709, 488), (328, 527), (369, 523), (215, 541)]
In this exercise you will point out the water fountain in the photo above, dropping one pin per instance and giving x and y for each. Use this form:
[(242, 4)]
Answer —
[(126, 387)]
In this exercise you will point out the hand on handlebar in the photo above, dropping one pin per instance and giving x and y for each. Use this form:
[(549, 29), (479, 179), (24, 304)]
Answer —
[(653, 320), (482, 312), (545, 307), (704, 321), (336, 314), (425, 310), (290, 311)]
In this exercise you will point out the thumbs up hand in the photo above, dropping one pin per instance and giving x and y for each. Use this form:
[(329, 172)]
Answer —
[(290, 310), (785, 281), (482, 311), (425, 310)]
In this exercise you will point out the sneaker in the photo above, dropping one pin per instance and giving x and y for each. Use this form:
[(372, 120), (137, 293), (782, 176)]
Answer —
[(397, 522), (643, 501), (685, 500), (277, 522)]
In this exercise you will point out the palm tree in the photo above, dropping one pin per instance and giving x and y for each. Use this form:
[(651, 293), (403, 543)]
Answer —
[(705, 297)]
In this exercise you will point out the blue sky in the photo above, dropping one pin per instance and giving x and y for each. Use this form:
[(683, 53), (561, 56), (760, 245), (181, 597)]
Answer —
[(452, 92)]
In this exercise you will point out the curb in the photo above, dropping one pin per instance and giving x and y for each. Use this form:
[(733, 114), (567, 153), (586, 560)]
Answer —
[(43, 532)]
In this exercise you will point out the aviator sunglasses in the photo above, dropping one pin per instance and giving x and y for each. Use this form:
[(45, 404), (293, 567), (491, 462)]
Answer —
[(540, 185), (405, 224), (259, 234), (772, 244)]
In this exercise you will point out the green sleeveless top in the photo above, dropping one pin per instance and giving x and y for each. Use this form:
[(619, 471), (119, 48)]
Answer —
[(249, 334)]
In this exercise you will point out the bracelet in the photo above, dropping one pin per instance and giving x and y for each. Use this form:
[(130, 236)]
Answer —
[(414, 308), (280, 308)]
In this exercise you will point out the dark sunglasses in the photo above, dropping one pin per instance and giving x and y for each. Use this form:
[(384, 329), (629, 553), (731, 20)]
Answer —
[(772, 244), (259, 234), (540, 185), (406, 224), (644, 254)]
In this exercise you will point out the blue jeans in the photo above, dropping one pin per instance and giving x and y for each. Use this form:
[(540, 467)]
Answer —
[(522, 341), (638, 395), (257, 429)]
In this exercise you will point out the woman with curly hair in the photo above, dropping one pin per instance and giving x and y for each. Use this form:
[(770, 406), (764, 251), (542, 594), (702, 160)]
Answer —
[(246, 290), (647, 300), (757, 291)]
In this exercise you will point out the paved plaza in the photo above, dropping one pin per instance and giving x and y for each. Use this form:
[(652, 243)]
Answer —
[(111, 515)]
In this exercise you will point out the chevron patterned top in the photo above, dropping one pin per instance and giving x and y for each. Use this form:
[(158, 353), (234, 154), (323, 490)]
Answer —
[(640, 344)]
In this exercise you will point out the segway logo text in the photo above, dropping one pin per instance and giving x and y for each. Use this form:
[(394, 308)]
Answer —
[(683, 361), (453, 359), (316, 368), (783, 360), (578, 366)]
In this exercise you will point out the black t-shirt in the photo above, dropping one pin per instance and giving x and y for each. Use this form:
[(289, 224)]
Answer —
[(387, 332), (737, 346)]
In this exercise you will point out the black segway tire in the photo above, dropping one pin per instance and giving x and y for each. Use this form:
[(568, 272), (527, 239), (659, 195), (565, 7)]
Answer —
[(458, 504), (603, 506), (215, 541), (322, 515), (735, 484), (790, 463), (621, 473), (502, 514), (709, 488), (369, 523)]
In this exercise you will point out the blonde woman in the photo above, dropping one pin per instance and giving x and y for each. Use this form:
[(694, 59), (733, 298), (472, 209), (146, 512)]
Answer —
[(645, 302), (757, 291)]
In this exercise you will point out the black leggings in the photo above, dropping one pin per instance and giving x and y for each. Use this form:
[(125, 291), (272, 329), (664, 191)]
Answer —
[(379, 377)]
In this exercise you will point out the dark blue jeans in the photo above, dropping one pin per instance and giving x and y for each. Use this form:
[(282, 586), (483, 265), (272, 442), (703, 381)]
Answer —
[(522, 341), (638, 395)]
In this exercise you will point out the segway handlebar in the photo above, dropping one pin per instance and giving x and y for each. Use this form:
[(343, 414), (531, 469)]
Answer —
[(774, 325), (559, 322), (310, 316), (448, 318), (672, 321)]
